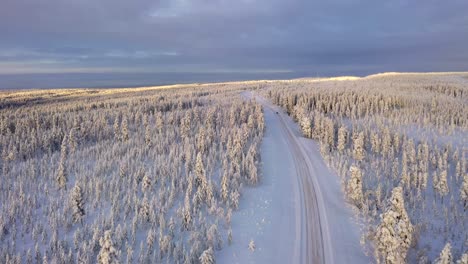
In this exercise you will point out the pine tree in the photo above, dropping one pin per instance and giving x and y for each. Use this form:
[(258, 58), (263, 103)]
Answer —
[(445, 256), (116, 129), (358, 147), (306, 125), (147, 135), (213, 237), (62, 173), (235, 199), (108, 253), (230, 236), (200, 179), (125, 135), (354, 187), (77, 204), (252, 245), (145, 209), (463, 259), (464, 191), (224, 187), (185, 125), (342, 138), (375, 142), (146, 183), (386, 141), (72, 140), (442, 186), (187, 215), (207, 257), (395, 231)]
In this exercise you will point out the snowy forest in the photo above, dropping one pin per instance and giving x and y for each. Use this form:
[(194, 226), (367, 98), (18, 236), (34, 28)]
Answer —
[(399, 144), (124, 175), (156, 174)]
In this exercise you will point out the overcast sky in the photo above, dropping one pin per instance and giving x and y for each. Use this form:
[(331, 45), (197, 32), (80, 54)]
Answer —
[(232, 36)]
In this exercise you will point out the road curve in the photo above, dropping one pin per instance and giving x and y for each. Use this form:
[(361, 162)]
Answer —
[(313, 243)]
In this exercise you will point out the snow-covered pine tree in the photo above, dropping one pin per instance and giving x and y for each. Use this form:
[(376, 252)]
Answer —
[(207, 257), (116, 129), (306, 126), (445, 256), (252, 245), (72, 141), (230, 236), (235, 199), (463, 259), (108, 253), (62, 173), (442, 186), (358, 147), (224, 187), (77, 204), (386, 141), (148, 135), (125, 135), (342, 138), (187, 215), (200, 178), (464, 191), (395, 231), (146, 183), (354, 187)]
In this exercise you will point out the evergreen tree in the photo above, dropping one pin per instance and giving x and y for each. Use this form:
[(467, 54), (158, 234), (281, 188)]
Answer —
[(306, 125), (464, 191), (463, 259), (395, 231), (358, 147), (77, 203), (207, 257), (342, 138), (146, 183), (354, 187), (442, 186), (200, 179), (252, 245), (72, 141), (116, 129), (125, 135), (108, 253), (224, 187), (62, 173), (445, 256)]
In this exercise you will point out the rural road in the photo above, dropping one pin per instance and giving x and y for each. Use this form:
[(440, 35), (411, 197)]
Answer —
[(312, 236)]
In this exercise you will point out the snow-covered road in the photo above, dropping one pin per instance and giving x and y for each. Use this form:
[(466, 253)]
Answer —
[(307, 219)]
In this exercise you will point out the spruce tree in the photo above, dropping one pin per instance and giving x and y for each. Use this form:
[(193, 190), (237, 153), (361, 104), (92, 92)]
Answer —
[(354, 188), (395, 231), (77, 203), (445, 256), (464, 191), (62, 173), (108, 253), (358, 147), (342, 138), (207, 257)]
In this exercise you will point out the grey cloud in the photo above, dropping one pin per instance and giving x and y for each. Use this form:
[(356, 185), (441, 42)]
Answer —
[(331, 37)]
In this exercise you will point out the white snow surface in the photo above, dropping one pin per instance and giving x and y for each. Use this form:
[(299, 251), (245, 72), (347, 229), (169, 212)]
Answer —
[(270, 213)]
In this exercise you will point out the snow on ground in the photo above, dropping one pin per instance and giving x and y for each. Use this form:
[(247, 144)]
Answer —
[(344, 230), (343, 227), (269, 213)]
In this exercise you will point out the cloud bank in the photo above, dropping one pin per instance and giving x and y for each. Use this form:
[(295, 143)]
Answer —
[(315, 37)]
